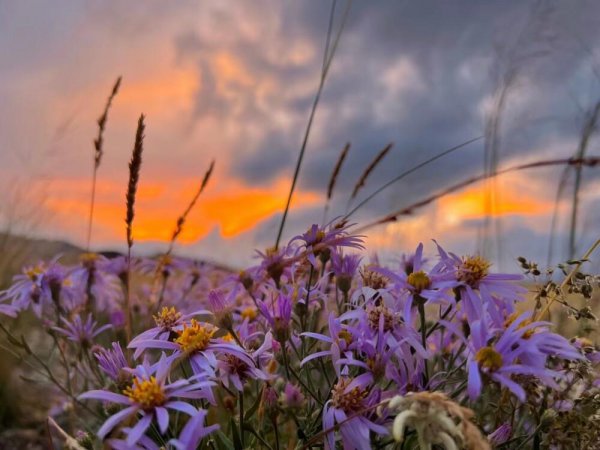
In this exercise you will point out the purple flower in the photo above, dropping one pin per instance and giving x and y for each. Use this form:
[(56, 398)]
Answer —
[(433, 286), (26, 291), (9, 310), (349, 400), (501, 353), (150, 397), (193, 432), (344, 268), (481, 291), (195, 342), (501, 434), (168, 322), (104, 287), (273, 264), (235, 371), (292, 397), (113, 363), (81, 332), (278, 314), (341, 339), (319, 241), (222, 309)]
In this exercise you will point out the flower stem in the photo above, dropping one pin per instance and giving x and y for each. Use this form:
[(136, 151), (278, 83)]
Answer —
[(241, 397)]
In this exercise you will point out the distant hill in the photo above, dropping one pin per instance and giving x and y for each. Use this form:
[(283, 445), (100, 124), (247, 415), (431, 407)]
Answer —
[(18, 251)]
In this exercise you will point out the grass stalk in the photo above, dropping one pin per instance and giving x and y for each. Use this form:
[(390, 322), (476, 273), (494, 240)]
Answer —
[(327, 60)]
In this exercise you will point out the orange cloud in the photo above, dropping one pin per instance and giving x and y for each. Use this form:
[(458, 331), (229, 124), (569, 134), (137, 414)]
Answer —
[(469, 204), (234, 210)]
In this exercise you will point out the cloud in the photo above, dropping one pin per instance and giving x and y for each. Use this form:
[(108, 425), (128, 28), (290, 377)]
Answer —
[(235, 81)]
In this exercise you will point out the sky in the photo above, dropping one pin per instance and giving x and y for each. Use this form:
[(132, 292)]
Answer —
[(234, 81)]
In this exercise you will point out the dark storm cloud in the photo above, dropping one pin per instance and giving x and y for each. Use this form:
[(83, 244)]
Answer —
[(452, 49)]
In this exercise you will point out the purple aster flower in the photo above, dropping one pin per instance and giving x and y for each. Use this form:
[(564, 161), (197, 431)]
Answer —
[(341, 339), (235, 371), (26, 291), (195, 342), (150, 397), (318, 242), (349, 400), (481, 291), (104, 287), (273, 264), (193, 432), (113, 363), (221, 308), (168, 321), (8, 310), (433, 286), (144, 443), (166, 265), (501, 434), (292, 397), (81, 332), (344, 268), (278, 314), (500, 354)]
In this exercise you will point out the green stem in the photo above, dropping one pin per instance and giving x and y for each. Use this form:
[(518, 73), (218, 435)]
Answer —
[(241, 397), (421, 306)]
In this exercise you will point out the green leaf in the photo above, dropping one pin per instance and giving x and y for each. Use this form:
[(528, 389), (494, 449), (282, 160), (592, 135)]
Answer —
[(250, 412), (237, 442), (224, 441)]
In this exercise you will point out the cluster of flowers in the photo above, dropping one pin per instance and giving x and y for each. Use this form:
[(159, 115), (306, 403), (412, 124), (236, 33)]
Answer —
[(312, 346)]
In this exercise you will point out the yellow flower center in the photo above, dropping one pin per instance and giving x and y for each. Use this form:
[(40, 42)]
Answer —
[(33, 272), (194, 337), (88, 257), (167, 317), (473, 269), (249, 313), (419, 280), (319, 236), (345, 335), (147, 393), (350, 401), (489, 358), (510, 319)]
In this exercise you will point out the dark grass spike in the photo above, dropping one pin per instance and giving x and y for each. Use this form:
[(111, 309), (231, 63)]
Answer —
[(590, 126), (98, 152), (327, 60), (135, 165), (333, 179), (181, 220), (562, 184), (393, 217), (336, 170), (408, 172), (370, 168)]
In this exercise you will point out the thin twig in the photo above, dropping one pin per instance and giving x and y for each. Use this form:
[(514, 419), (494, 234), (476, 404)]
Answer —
[(409, 171), (181, 220), (568, 278), (98, 152), (324, 72), (590, 162)]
